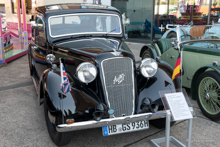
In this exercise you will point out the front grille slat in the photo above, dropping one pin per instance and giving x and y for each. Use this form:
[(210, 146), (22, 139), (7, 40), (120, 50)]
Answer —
[(118, 78)]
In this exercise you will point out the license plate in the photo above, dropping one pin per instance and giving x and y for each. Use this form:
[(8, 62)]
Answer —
[(122, 128)]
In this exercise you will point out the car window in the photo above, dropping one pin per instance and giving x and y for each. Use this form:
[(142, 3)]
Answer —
[(57, 20), (40, 39), (84, 23), (72, 20)]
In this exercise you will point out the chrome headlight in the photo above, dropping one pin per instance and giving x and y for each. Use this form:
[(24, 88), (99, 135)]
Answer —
[(86, 72), (148, 67)]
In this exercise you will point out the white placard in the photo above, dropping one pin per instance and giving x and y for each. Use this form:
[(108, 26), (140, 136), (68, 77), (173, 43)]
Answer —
[(178, 106)]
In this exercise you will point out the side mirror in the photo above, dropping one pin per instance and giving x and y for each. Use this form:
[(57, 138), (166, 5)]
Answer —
[(50, 58), (127, 21)]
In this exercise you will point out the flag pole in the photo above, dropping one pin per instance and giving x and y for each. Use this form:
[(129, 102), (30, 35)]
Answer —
[(178, 39), (180, 52), (61, 101), (181, 68)]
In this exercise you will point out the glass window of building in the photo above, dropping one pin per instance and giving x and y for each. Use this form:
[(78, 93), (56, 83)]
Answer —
[(167, 14), (28, 6), (140, 14), (170, 13)]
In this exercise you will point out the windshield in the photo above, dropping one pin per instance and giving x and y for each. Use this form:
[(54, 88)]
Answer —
[(84, 23), (206, 32)]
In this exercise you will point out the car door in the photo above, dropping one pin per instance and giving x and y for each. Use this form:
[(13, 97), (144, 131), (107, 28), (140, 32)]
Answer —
[(170, 56), (197, 55), (39, 48)]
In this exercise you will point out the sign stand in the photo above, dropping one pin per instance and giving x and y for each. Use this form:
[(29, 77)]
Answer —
[(167, 139), (178, 107)]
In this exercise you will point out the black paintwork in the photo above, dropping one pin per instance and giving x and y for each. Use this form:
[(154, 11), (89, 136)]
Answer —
[(80, 103)]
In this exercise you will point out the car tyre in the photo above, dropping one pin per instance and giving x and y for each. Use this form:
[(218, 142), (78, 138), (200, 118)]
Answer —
[(171, 35), (58, 138), (208, 94), (31, 64), (147, 54)]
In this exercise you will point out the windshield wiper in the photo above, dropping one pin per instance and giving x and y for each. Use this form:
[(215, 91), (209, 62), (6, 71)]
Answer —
[(110, 31), (73, 36)]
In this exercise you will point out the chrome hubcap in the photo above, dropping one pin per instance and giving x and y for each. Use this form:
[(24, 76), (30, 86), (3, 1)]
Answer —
[(207, 96)]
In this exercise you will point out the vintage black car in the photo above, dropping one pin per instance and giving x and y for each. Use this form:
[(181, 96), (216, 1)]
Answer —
[(108, 90)]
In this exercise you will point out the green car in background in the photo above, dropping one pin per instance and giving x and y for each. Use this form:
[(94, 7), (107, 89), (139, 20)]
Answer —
[(199, 47)]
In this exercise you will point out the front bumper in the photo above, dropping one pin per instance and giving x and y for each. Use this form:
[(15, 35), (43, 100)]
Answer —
[(110, 121)]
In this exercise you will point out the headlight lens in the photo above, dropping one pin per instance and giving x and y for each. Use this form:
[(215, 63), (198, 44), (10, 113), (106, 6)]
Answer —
[(86, 72), (148, 67)]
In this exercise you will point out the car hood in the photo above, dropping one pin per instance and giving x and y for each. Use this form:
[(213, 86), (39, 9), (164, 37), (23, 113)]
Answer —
[(91, 45)]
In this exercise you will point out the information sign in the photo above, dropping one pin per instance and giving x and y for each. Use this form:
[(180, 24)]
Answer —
[(178, 106)]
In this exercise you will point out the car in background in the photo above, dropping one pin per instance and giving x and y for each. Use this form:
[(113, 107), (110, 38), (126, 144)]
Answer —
[(171, 32), (199, 48), (108, 90)]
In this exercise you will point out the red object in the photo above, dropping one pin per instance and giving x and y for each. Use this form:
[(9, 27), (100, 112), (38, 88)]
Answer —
[(176, 71), (195, 22), (13, 28)]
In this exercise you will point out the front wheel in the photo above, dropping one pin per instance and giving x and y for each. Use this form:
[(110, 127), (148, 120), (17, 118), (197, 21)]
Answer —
[(208, 94), (172, 35), (147, 54), (31, 64), (58, 138)]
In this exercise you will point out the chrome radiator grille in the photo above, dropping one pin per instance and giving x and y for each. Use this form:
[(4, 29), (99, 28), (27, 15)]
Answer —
[(118, 76)]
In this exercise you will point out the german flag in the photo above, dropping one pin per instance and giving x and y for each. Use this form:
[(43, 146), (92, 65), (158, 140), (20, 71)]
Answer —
[(176, 71)]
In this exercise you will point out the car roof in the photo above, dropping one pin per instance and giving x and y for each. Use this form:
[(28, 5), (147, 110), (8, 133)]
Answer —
[(72, 7)]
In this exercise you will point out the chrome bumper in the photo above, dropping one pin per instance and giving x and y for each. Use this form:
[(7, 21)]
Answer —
[(108, 122)]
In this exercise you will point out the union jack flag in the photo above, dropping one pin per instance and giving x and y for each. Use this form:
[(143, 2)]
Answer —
[(65, 84)]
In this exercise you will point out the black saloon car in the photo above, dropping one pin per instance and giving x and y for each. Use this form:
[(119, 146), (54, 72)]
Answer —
[(108, 90)]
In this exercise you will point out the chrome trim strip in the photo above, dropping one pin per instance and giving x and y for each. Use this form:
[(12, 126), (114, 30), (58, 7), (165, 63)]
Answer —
[(110, 121), (106, 93), (89, 39), (84, 32)]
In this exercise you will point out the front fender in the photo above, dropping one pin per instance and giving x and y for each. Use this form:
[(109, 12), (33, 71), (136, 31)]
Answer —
[(160, 82), (151, 48), (198, 73), (167, 32), (59, 104), (56, 96)]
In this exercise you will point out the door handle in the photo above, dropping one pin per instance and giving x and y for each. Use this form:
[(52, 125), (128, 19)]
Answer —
[(171, 57)]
